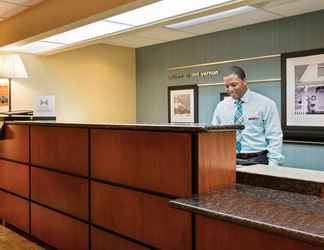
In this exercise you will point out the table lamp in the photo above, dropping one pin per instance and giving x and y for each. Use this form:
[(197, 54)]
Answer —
[(12, 67)]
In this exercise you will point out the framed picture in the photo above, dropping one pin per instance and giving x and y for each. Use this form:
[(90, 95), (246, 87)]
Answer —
[(4, 97), (183, 104), (303, 95)]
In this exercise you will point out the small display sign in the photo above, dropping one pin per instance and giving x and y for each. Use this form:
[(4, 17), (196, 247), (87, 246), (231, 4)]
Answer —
[(44, 106)]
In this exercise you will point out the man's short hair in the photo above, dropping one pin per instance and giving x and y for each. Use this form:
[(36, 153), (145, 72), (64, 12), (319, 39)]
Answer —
[(236, 70)]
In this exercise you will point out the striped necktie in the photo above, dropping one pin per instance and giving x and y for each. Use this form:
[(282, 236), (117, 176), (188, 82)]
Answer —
[(238, 119)]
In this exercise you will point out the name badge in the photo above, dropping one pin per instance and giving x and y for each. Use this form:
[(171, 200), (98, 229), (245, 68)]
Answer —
[(253, 118)]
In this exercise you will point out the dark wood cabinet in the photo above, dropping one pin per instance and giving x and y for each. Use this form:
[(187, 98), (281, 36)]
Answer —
[(14, 177), (57, 230), (60, 148), (102, 240), (15, 211), (66, 193), (214, 234), (15, 144), (143, 159), (141, 216)]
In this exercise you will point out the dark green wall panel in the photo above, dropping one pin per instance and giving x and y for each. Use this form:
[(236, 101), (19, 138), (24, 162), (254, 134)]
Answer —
[(284, 35)]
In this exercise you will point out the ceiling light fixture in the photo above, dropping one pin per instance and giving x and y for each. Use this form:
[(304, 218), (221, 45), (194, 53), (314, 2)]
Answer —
[(162, 10), (87, 32), (147, 14), (213, 17)]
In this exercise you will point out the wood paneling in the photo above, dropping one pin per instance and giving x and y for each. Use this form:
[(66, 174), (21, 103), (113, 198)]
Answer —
[(60, 148), (14, 210), (158, 161), (58, 230), (63, 192), (214, 234), (216, 160), (14, 177), (140, 216), (15, 145), (101, 240)]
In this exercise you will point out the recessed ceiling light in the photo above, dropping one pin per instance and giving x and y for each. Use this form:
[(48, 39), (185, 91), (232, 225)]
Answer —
[(144, 15), (37, 47), (213, 17), (86, 32), (162, 10)]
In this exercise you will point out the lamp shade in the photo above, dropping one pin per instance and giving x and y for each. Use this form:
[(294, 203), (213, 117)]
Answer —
[(11, 66)]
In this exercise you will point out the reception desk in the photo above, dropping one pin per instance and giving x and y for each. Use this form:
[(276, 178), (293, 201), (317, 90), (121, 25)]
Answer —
[(250, 217), (107, 186)]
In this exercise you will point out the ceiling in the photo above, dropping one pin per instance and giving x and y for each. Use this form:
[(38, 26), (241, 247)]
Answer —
[(266, 10), (271, 10), (9, 8)]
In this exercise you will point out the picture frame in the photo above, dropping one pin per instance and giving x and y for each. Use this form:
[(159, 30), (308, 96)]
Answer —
[(183, 104), (4, 96), (303, 95)]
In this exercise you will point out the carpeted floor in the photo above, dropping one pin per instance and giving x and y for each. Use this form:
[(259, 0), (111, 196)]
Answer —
[(9, 240)]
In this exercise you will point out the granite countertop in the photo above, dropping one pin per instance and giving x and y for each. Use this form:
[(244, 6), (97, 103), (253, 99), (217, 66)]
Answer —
[(293, 215), (181, 127), (304, 181), (284, 172)]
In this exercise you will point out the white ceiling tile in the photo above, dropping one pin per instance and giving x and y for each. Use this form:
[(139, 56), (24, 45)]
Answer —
[(294, 7), (132, 41), (6, 7), (232, 22), (33, 2), (164, 34), (14, 11), (17, 1)]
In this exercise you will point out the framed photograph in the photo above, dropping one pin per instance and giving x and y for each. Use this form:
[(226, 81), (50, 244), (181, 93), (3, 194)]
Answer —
[(303, 95), (183, 104), (4, 97)]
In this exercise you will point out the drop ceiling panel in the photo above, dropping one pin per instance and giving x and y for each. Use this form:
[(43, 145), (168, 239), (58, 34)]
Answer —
[(23, 2), (164, 34), (294, 7), (14, 11), (6, 7), (232, 22), (132, 41), (9, 8)]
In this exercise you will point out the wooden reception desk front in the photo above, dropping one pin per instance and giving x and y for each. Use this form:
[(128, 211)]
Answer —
[(107, 186)]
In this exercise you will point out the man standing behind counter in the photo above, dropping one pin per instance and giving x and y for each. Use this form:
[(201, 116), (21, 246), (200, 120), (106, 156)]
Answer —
[(261, 139)]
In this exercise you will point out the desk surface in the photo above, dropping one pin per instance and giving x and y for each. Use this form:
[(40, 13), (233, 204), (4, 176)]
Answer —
[(289, 214), (181, 127), (284, 172)]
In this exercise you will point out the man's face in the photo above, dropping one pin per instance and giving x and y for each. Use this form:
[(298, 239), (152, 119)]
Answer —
[(235, 86)]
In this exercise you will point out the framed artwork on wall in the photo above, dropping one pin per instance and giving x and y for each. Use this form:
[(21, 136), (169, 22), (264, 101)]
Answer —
[(4, 97), (183, 104), (303, 95)]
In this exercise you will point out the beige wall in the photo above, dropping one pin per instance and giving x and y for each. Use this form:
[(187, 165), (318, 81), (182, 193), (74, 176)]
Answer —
[(91, 84)]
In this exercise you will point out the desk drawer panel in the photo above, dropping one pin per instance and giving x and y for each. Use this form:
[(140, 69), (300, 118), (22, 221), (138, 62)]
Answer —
[(146, 218), (57, 230), (64, 149), (157, 161), (14, 210), (63, 192), (214, 234), (101, 240), (14, 177), (15, 145)]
